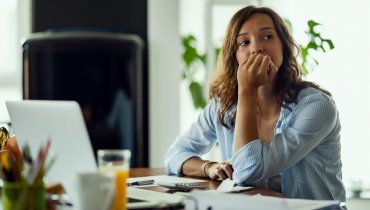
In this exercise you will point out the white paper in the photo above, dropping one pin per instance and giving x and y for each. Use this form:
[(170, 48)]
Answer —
[(228, 185), (240, 188), (221, 201)]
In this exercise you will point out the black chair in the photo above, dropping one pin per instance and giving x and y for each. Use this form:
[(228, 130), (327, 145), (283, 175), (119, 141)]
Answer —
[(102, 71)]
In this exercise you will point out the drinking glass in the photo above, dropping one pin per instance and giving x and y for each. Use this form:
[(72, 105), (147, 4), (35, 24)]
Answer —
[(116, 162)]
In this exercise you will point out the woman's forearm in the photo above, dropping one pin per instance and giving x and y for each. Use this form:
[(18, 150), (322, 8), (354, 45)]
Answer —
[(195, 167), (246, 119)]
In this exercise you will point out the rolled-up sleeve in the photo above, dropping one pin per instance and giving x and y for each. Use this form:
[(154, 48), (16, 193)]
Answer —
[(312, 120), (195, 142)]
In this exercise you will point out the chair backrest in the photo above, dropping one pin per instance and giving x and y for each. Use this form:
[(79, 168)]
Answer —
[(102, 71)]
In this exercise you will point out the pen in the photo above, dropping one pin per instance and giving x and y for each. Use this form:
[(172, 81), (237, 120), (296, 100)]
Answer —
[(141, 183)]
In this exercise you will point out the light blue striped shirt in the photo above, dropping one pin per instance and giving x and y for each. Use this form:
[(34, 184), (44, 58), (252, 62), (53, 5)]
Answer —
[(305, 149)]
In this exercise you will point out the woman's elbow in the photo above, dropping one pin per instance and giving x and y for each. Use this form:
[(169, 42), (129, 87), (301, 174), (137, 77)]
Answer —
[(238, 179), (247, 175)]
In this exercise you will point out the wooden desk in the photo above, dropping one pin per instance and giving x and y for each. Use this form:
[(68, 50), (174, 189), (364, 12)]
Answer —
[(212, 184)]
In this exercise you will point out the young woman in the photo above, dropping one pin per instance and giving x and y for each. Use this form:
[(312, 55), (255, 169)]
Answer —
[(267, 120)]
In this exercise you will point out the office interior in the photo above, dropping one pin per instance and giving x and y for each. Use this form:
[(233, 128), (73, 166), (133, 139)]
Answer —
[(166, 108)]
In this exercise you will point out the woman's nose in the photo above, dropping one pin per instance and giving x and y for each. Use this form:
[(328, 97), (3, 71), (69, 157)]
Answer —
[(257, 50), (256, 47)]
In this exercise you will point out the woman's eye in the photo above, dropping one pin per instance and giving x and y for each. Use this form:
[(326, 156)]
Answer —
[(267, 37), (244, 42)]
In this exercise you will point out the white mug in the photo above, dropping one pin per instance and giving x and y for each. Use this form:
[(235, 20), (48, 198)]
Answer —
[(95, 191)]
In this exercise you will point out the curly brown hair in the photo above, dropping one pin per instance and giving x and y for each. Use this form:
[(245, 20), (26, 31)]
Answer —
[(224, 86)]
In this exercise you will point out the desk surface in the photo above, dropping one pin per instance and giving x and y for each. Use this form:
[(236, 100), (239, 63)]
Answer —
[(212, 184)]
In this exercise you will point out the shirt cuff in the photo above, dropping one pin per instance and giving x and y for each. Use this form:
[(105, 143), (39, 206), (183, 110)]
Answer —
[(174, 167)]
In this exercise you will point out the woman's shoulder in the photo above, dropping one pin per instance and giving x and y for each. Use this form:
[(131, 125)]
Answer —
[(311, 93), (310, 96), (215, 104), (312, 103)]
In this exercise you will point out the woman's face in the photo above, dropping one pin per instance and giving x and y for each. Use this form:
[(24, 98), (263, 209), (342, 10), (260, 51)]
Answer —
[(258, 35)]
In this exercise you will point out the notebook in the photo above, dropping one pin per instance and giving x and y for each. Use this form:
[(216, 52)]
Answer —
[(34, 121)]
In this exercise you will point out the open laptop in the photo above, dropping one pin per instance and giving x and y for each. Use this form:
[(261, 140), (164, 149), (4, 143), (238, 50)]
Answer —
[(34, 121), (62, 122)]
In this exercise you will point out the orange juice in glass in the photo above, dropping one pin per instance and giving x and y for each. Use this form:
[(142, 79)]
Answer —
[(116, 162)]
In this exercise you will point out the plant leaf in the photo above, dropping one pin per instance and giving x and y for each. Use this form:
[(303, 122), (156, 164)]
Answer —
[(316, 42), (312, 45), (329, 42), (311, 26), (189, 55), (304, 69), (197, 95)]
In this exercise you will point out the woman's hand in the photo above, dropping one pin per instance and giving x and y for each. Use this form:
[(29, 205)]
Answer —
[(219, 170), (257, 70)]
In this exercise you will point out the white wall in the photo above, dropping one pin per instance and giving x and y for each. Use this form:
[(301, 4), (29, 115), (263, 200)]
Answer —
[(190, 24), (15, 24), (164, 74)]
